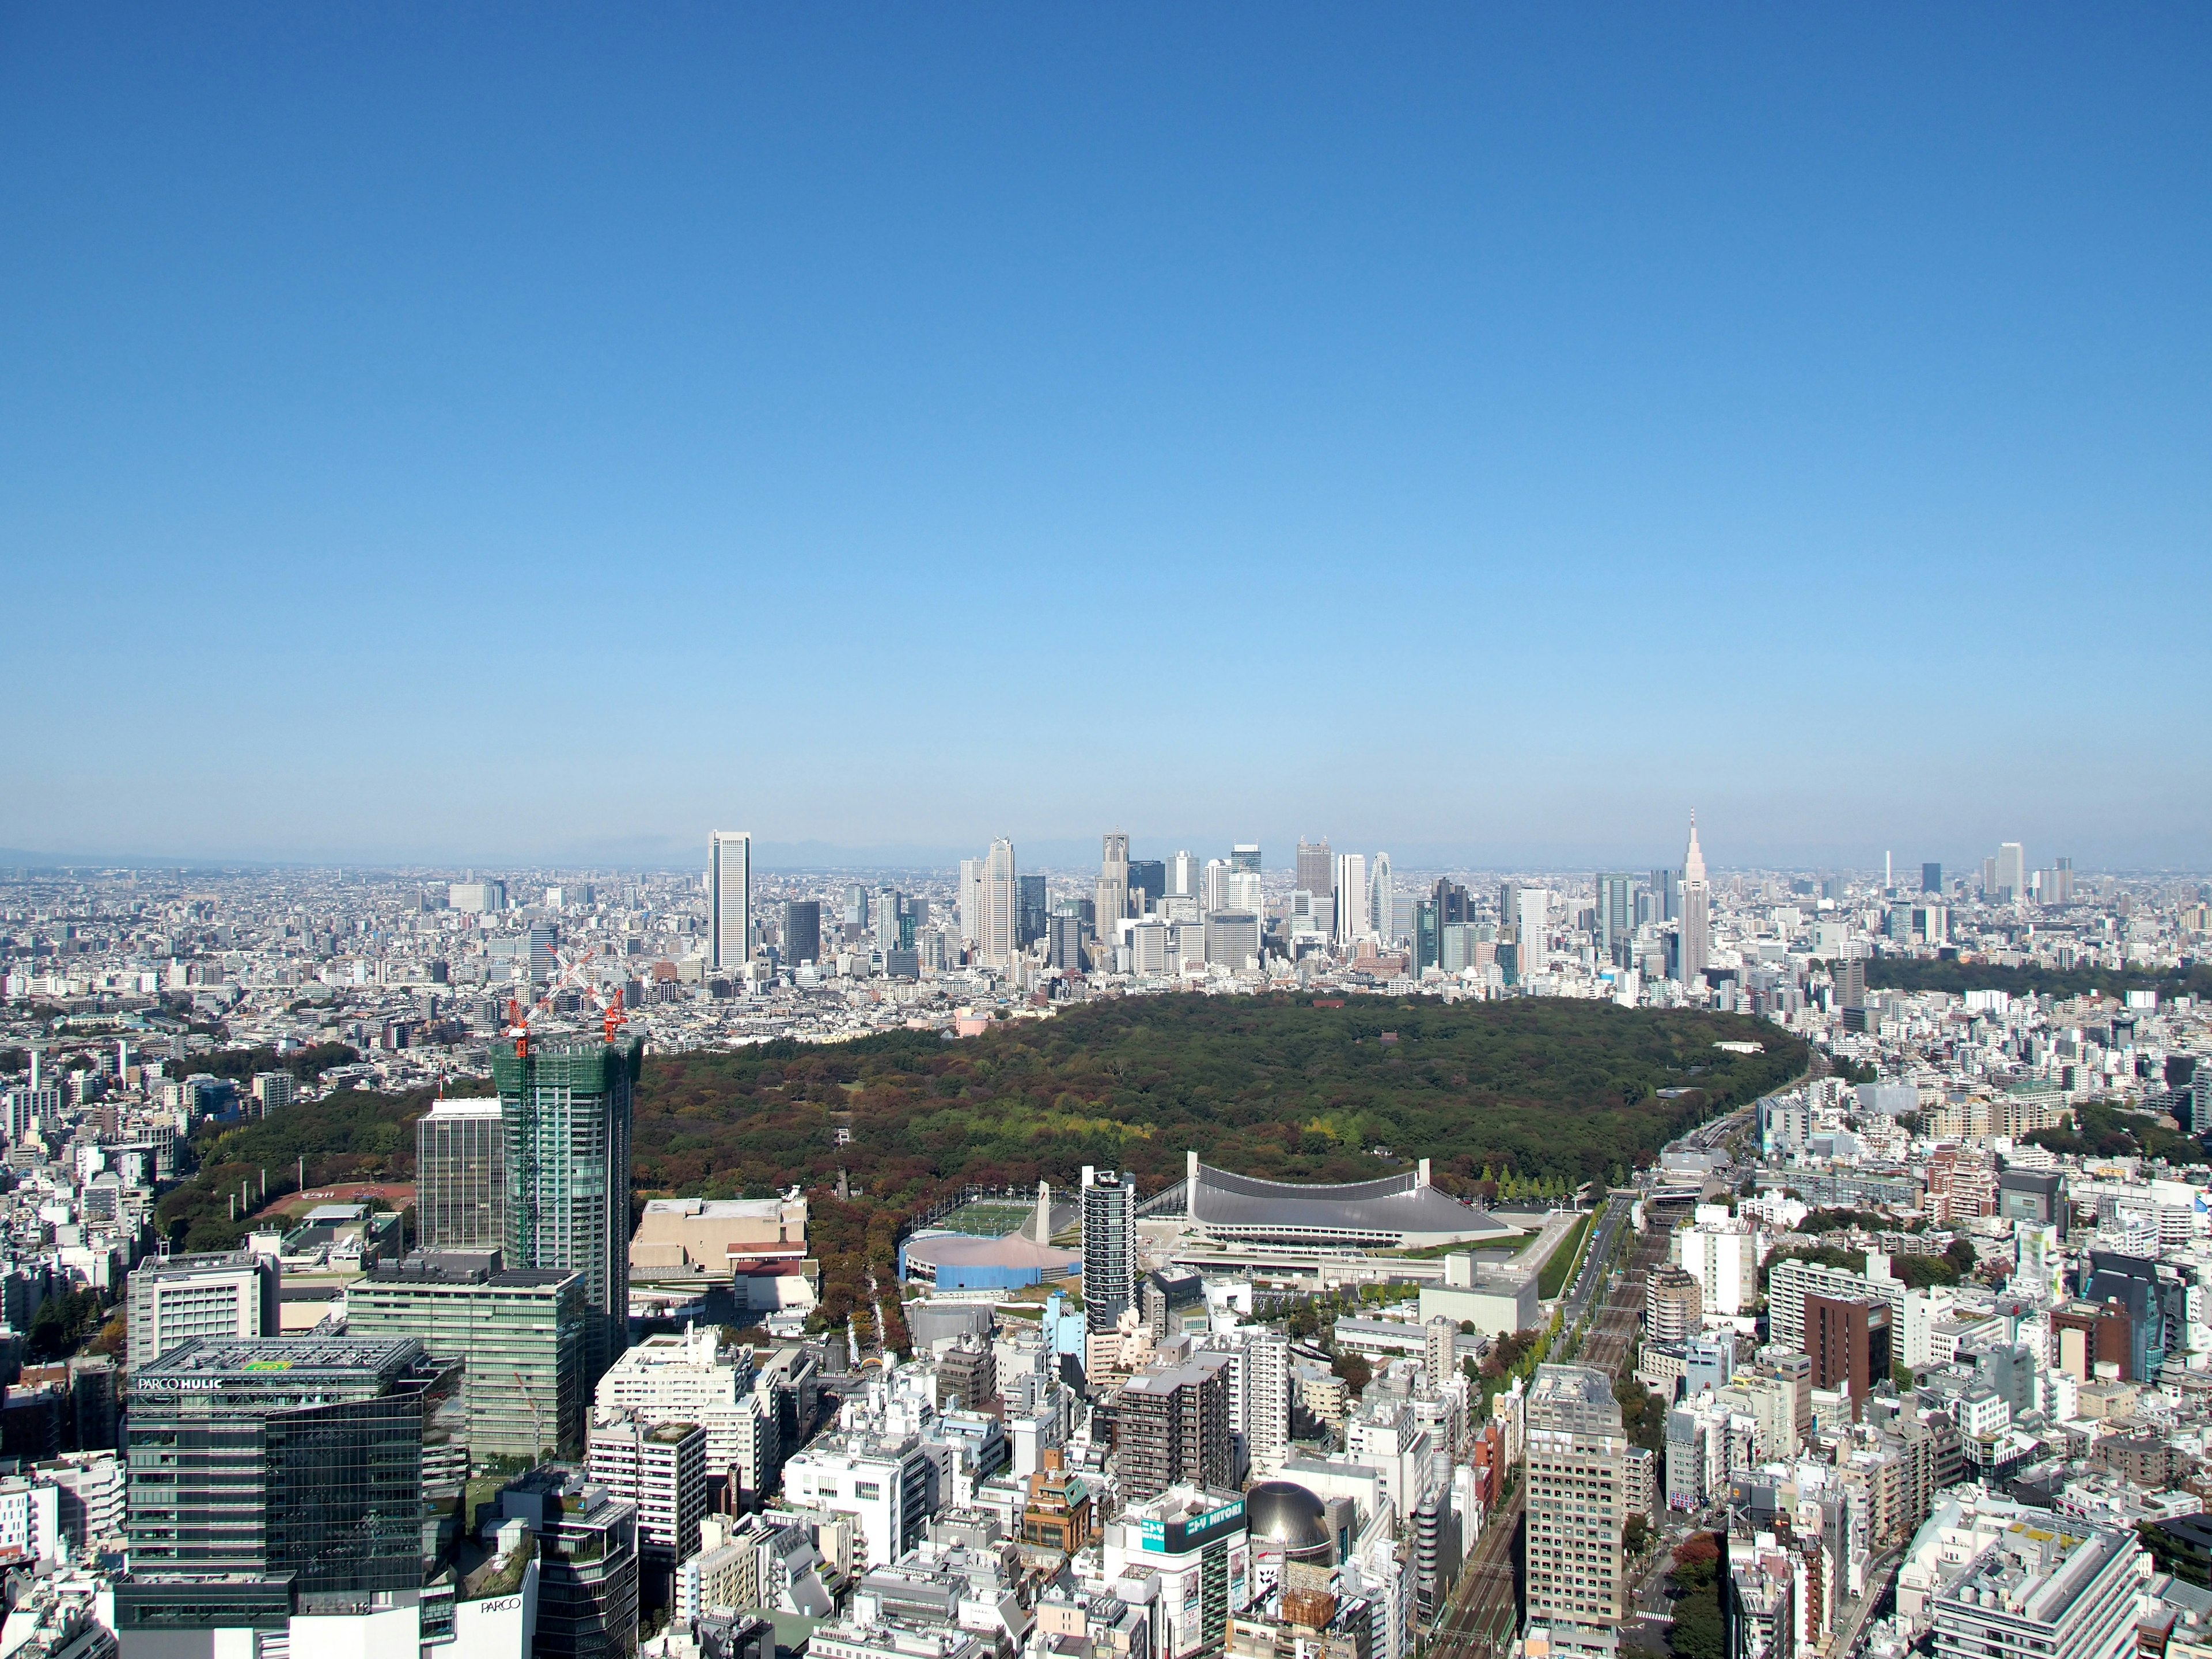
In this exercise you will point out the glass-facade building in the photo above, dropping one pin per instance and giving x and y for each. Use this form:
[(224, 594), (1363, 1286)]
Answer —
[(518, 1334), (281, 1455), (565, 1107), (460, 1176)]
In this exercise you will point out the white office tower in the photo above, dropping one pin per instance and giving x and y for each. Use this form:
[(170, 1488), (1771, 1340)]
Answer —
[(971, 901), (1217, 885), (1245, 898), (1184, 874), (1259, 1393), (1532, 923), (1576, 1470), (2012, 873), (1001, 899), (729, 898), (1697, 911), (218, 1296), (1351, 897), (1383, 900)]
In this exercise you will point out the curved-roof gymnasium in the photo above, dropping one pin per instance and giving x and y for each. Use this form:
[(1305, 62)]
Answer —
[(1393, 1212)]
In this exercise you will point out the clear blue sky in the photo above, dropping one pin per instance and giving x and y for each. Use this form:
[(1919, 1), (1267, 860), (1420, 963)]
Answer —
[(554, 431)]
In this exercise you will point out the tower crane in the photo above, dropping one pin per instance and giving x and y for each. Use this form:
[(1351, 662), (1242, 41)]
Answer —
[(571, 976)]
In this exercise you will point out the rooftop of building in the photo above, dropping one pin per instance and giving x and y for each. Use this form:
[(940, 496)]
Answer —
[(474, 1106), (295, 1358), (455, 1267), (2035, 1572), (1171, 1377), (1403, 1203)]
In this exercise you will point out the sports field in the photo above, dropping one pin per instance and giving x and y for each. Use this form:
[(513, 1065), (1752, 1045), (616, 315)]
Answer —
[(989, 1219)]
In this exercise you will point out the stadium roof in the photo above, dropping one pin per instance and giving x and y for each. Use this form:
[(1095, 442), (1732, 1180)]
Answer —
[(967, 1250), (1393, 1211)]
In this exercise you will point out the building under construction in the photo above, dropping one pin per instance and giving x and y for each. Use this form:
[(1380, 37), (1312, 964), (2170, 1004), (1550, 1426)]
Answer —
[(565, 1110)]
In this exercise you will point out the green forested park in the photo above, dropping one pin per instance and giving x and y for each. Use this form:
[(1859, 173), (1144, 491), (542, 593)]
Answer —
[(1529, 1095), (1539, 1088)]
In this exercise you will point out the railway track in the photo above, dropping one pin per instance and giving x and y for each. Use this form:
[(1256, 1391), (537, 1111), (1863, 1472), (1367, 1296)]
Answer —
[(1484, 1616)]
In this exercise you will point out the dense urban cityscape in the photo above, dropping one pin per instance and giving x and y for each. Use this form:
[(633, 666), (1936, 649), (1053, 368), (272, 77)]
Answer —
[(1909, 1349), (1008, 831)]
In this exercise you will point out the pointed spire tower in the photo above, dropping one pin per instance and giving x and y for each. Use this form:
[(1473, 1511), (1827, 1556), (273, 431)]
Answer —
[(1697, 939)]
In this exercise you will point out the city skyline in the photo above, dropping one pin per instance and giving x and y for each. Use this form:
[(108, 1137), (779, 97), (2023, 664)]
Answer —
[(1538, 426)]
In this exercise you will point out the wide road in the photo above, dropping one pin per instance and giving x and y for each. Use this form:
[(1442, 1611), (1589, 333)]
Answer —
[(1484, 1614)]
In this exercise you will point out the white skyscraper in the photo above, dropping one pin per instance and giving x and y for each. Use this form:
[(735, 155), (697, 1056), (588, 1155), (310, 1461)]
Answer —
[(1217, 885), (1352, 896), (971, 900), (729, 898), (1532, 925), (1000, 901), (2012, 873), (1244, 895), (1183, 876), (1383, 900), (1697, 912), (1258, 1392)]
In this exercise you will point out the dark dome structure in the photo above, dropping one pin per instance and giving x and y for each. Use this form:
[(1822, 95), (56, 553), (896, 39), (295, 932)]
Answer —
[(1281, 1515)]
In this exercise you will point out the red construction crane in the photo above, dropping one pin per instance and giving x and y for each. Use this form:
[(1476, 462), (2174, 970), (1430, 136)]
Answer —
[(571, 976)]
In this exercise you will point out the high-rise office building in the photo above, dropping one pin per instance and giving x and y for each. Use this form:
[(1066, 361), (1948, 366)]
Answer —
[(217, 1296), (1931, 878), (1214, 884), (282, 1455), (1110, 1246), (1383, 900), (856, 905), (1353, 923), (518, 1332), (1697, 916), (1063, 941), (1113, 885), (460, 1176), (1454, 903), (1002, 896), (802, 930), (1666, 891), (1576, 1471), (1316, 868), (566, 1105), (971, 900), (2012, 874), (1245, 855), (1184, 874), (1532, 926), (729, 899), (1032, 910), (1616, 915), (1148, 884)]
